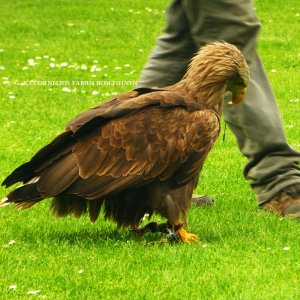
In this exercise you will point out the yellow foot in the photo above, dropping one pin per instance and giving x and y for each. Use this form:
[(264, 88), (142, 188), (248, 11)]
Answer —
[(186, 237)]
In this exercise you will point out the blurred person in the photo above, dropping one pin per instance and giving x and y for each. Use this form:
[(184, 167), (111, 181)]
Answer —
[(272, 169)]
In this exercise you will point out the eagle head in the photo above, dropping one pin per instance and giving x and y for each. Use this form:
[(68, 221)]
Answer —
[(216, 69)]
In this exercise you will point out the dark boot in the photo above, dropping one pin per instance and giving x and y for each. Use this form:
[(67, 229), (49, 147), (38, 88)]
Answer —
[(285, 203)]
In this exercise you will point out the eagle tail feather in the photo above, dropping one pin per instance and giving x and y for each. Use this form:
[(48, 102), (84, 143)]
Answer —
[(24, 196), (45, 156)]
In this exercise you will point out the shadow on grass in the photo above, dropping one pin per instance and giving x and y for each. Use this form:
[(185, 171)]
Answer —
[(88, 236), (93, 236)]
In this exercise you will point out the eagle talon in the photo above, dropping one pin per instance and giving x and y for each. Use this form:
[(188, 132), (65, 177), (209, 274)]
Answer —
[(186, 237)]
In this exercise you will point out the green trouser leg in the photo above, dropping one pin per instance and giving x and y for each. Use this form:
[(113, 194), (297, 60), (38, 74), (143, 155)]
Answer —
[(272, 163)]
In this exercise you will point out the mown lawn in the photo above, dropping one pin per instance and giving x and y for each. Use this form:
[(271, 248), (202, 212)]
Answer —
[(243, 253)]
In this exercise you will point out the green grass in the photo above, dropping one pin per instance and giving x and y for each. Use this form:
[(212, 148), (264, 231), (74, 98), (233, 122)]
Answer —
[(241, 254)]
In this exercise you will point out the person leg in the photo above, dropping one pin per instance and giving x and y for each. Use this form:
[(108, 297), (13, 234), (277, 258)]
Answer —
[(256, 122), (169, 59), (272, 164)]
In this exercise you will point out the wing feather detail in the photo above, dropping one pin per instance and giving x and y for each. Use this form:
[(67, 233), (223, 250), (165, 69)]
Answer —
[(147, 154), (131, 140), (58, 177)]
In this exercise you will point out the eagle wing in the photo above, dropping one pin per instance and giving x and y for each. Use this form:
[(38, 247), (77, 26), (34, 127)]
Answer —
[(124, 143)]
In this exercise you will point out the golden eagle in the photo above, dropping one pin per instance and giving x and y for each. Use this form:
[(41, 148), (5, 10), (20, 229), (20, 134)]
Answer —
[(138, 153)]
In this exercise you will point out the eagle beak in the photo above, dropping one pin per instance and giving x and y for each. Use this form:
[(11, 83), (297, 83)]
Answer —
[(238, 96)]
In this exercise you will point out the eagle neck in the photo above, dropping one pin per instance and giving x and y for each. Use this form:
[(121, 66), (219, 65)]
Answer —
[(211, 96)]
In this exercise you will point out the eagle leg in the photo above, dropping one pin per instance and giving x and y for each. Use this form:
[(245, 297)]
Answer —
[(151, 227), (174, 233)]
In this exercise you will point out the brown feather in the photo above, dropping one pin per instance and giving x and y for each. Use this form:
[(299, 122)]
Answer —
[(58, 177), (63, 205), (94, 209), (139, 152)]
